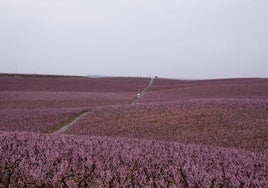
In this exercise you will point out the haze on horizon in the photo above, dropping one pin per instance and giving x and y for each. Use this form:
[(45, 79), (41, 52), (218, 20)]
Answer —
[(173, 39)]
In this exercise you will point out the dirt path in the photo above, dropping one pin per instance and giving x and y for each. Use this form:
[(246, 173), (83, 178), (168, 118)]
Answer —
[(134, 101), (68, 125), (81, 116)]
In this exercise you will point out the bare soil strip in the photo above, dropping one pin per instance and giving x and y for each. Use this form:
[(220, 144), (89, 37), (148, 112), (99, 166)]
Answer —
[(134, 101), (71, 123), (64, 126)]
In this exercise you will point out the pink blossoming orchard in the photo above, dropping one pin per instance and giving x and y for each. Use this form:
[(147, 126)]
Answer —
[(176, 133)]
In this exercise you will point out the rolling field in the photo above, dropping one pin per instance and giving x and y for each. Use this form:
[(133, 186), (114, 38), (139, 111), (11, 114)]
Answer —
[(180, 133)]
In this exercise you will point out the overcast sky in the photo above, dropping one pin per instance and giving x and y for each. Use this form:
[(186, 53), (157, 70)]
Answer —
[(193, 39)]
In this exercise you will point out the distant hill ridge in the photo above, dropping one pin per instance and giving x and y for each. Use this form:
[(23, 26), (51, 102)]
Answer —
[(71, 76)]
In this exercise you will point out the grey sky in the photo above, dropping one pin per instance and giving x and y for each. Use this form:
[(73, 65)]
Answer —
[(168, 38)]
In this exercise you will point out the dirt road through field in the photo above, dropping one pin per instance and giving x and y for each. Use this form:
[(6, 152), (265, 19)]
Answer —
[(81, 116), (137, 98), (70, 124)]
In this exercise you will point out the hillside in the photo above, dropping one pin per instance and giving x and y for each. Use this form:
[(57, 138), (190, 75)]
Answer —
[(180, 133)]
